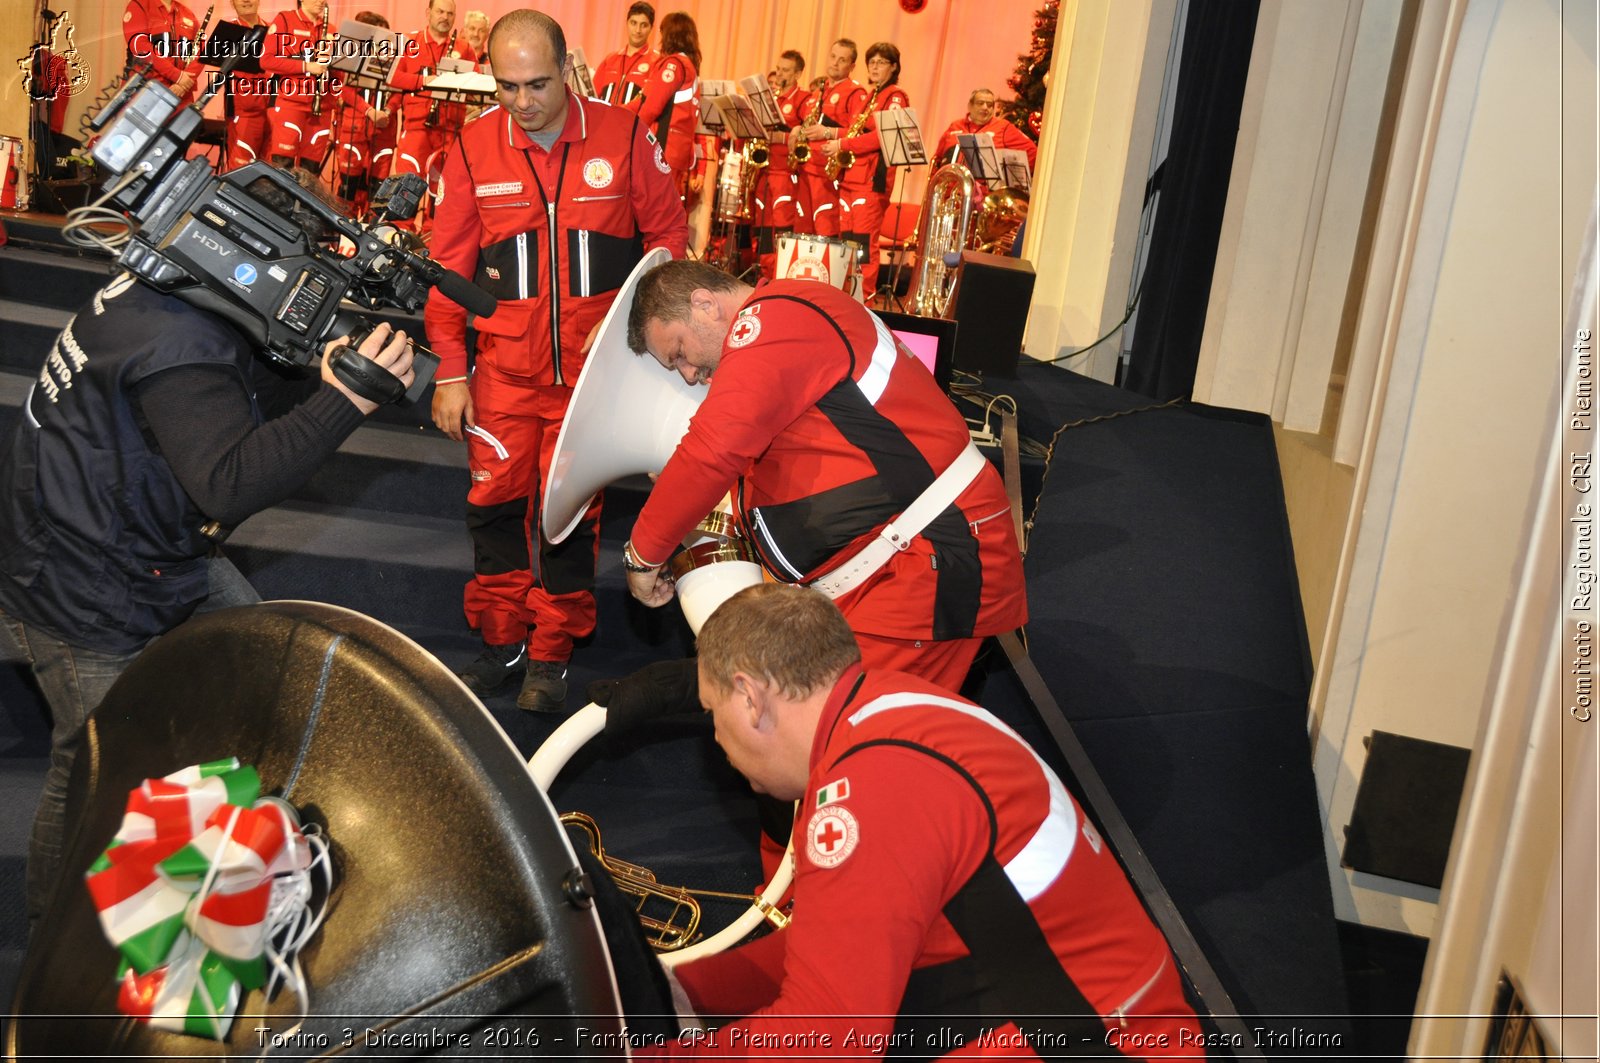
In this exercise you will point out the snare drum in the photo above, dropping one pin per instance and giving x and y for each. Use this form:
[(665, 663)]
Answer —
[(828, 259)]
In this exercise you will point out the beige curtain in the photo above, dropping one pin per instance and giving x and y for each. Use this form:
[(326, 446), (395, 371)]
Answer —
[(947, 49)]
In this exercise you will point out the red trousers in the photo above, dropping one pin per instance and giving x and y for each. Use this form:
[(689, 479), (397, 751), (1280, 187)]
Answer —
[(818, 201), (249, 136), (520, 581), (299, 135), (864, 210)]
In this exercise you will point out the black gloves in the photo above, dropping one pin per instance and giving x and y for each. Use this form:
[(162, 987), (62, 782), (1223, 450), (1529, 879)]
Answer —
[(665, 688)]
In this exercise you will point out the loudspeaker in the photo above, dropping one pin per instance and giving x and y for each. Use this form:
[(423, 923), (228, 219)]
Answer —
[(991, 303)]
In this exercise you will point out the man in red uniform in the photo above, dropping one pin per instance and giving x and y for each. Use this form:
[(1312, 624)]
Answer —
[(249, 100), (306, 94), (827, 430), (980, 118), (165, 34), (621, 76), (864, 186), (841, 100), (427, 126), (775, 203), (549, 201), (988, 909)]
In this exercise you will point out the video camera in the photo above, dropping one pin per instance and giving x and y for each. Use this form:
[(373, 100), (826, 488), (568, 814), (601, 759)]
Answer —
[(238, 244)]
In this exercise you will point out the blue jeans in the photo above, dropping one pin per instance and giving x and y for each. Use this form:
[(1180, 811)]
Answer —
[(74, 680)]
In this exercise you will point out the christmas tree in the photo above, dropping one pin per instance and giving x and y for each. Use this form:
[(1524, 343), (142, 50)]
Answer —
[(1032, 75)]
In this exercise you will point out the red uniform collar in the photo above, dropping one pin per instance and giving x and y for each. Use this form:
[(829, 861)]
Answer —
[(575, 128), (842, 697)]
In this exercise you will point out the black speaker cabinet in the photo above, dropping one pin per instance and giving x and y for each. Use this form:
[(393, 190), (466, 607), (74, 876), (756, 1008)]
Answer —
[(991, 303)]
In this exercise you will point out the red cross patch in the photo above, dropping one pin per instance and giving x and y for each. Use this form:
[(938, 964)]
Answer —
[(745, 330), (831, 836)]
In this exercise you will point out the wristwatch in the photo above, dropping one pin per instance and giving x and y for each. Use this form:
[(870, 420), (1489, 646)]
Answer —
[(631, 561)]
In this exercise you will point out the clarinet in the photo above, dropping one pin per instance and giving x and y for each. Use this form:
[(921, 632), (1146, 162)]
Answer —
[(432, 121), (321, 82)]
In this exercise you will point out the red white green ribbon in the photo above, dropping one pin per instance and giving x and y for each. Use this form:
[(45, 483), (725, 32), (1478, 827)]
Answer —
[(200, 876)]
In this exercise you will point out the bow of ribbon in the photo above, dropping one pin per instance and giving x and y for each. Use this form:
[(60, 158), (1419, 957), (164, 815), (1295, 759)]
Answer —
[(205, 893)]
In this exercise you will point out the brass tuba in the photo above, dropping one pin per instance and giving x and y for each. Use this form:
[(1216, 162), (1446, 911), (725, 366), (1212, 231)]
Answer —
[(1002, 213), (942, 230)]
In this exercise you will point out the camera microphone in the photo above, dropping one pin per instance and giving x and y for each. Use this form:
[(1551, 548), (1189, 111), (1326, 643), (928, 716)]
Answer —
[(468, 295)]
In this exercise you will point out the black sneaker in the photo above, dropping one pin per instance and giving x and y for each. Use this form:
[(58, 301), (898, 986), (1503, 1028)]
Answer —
[(495, 667), (544, 688)]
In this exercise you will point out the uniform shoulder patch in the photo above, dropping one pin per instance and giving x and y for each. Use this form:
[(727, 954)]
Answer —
[(746, 327), (831, 836), (837, 790)]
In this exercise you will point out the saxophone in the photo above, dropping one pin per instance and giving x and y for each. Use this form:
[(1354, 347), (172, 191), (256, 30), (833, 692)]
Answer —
[(842, 159), (802, 151)]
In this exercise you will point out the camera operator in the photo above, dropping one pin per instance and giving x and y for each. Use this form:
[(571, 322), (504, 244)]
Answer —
[(143, 428)]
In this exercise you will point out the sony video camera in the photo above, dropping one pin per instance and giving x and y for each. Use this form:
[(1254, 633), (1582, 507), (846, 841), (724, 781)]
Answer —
[(245, 246)]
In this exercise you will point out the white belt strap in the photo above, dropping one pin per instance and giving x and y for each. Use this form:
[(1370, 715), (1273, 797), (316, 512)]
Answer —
[(898, 533)]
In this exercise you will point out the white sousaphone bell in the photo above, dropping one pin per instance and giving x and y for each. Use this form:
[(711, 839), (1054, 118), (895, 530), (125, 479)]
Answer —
[(626, 417)]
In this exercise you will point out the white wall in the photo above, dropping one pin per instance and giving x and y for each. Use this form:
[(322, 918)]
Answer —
[(1094, 154), (1464, 418)]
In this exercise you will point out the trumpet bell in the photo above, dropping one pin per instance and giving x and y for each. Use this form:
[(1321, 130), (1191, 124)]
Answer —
[(626, 416)]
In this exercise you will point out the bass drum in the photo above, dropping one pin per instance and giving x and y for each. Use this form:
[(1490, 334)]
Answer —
[(458, 915)]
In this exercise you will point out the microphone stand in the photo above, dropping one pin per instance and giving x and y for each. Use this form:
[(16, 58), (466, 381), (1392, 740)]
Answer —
[(891, 286)]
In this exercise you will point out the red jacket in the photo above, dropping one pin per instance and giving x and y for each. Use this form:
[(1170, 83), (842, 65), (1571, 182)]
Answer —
[(827, 428), (1005, 134), (841, 102), (865, 144), (421, 52), (670, 106), (629, 71), (163, 37), (609, 201), (291, 42), (915, 801)]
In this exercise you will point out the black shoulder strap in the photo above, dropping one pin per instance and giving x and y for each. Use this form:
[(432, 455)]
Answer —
[(1011, 975)]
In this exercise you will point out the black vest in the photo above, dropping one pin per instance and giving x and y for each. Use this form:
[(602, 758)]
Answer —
[(99, 543)]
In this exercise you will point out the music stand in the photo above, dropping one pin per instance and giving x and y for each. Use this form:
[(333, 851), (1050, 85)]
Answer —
[(230, 39), (579, 78), (900, 140), (1014, 171), (457, 81), (976, 152), (711, 122), (755, 87), (369, 63), (739, 118)]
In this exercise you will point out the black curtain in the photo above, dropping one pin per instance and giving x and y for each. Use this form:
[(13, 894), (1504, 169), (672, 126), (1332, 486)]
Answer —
[(1194, 191)]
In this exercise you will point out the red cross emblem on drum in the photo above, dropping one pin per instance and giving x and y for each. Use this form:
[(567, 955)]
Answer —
[(744, 332), (831, 836)]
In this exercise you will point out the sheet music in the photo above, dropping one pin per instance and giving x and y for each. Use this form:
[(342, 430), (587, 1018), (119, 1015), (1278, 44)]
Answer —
[(366, 54), (1014, 171), (579, 78), (900, 138), (976, 152), (458, 85), (711, 121), (739, 117), (755, 87)]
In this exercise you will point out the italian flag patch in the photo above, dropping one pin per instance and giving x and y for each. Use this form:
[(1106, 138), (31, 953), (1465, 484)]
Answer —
[(837, 790)]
